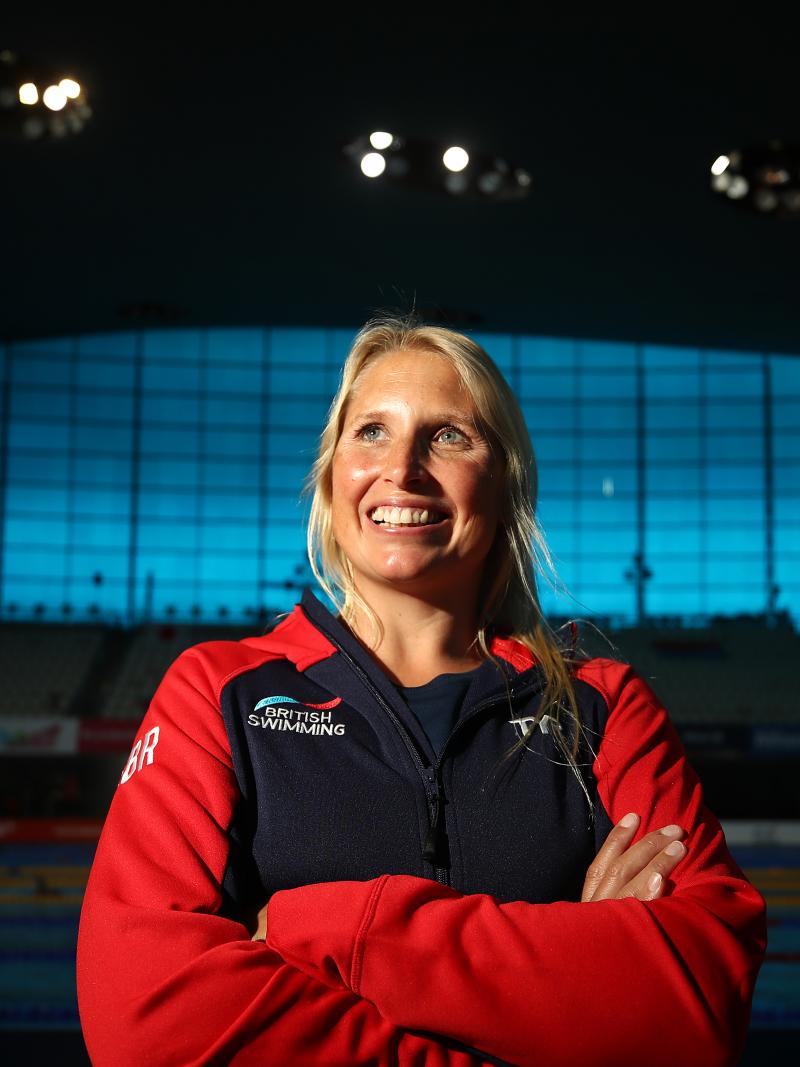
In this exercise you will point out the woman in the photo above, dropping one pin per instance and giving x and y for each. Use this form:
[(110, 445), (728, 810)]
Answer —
[(475, 846)]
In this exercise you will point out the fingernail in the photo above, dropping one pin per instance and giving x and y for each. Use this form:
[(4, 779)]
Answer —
[(671, 831), (654, 883), (628, 820), (675, 849)]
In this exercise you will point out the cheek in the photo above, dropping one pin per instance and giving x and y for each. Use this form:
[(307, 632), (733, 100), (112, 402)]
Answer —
[(350, 475)]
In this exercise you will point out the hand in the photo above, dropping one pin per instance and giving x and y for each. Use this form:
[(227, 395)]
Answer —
[(623, 870), (261, 930)]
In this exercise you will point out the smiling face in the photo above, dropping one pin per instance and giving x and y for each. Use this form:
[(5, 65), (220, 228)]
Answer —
[(416, 490)]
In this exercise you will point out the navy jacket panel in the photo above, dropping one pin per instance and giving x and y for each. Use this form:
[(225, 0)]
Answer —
[(339, 781)]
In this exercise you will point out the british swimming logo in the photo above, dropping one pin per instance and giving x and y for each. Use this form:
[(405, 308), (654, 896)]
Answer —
[(287, 714)]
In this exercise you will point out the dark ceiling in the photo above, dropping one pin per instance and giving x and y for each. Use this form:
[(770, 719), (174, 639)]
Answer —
[(210, 188)]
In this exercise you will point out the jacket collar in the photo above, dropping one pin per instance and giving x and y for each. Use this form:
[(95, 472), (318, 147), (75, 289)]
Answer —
[(311, 633)]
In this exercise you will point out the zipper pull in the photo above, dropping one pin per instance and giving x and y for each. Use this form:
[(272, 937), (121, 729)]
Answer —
[(437, 847)]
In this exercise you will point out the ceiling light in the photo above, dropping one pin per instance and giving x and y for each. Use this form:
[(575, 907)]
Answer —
[(70, 88), (54, 97), (373, 164), (455, 158), (28, 93), (380, 140), (720, 164)]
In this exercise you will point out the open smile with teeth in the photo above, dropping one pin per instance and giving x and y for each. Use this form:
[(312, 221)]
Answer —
[(405, 516)]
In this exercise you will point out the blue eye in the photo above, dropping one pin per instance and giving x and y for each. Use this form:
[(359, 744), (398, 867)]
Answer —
[(450, 435), (371, 432)]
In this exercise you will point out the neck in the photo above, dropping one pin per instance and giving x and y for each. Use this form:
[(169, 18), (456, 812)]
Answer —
[(420, 638)]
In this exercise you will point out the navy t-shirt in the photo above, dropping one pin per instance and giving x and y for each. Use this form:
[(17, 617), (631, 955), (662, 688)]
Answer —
[(437, 704)]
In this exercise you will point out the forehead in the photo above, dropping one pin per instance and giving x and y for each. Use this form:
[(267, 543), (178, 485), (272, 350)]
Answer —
[(413, 375)]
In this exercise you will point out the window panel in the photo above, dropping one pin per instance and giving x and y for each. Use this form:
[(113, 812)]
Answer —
[(34, 370), (658, 357), (163, 408), (90, 534), (674, 417), (109, 406), (231, 473), (615, 448), (668, 384), (237, 345), (233, 378), (733, 415), (29, 402), (105, 373), (552, 448), (101, 500), (234, 442), (606, 481), (238, 413), (39, 435), (108, 345), (537, 384), (745, 480), (546, 352), (607, 384), (22, 498), (786, 448), (159, 441), (241, 537), (552, 417), (90, 561), (687, 446), (108, 470), (103, 438), (47, 467), (610, 511), (602, 416), (169, 470), (787, 478), (219, 504), (735, 447), (678, 510), (605, 354), (669, 571), (684, 540), (299, 346)]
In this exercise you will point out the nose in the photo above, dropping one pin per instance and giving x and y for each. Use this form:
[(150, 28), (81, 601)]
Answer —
[(404, 462)]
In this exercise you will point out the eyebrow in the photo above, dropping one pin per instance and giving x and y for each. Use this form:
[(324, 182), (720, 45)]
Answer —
[(438, 417)]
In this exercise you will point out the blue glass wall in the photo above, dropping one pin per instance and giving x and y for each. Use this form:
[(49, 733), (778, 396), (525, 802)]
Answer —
[(157, 473)]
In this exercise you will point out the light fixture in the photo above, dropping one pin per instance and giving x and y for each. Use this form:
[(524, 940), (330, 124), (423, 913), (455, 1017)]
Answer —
[(455, 158), (720, 165), (380, 140), (422, 164), (70, 87), (38, 102), (765, 178), (28, 94), (54, 97), (373, 164)]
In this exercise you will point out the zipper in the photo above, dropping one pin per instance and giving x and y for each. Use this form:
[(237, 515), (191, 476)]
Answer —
[(436, 849), (430, 777)]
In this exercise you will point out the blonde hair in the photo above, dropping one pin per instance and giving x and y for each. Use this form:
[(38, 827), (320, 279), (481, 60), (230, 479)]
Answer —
[(508, 599)]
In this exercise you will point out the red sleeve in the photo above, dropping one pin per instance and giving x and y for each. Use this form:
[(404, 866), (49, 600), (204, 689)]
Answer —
[(617, 982), (162, 977)]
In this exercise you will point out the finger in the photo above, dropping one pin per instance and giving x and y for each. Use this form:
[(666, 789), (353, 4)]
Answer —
[(625, 867), (613, 847), (649, 884), (261, 930)]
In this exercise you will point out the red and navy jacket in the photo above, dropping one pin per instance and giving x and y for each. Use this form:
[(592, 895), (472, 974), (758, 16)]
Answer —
[(423, 910)]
